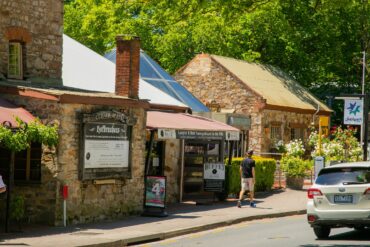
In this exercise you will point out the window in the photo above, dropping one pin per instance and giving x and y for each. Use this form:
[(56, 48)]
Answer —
[(275, 134), (15, 62), (297, 133), (27, 164)]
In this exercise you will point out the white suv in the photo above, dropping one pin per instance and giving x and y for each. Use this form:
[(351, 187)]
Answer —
[(340, 197)]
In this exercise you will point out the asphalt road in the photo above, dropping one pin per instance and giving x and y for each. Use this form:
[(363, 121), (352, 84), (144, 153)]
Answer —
[(285, 232)]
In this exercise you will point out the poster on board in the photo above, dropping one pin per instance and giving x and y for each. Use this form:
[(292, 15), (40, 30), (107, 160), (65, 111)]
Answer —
[(155, 191), (106, 145), (214, 177)]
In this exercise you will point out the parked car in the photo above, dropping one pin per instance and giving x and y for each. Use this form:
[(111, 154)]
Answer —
[(340, 197)]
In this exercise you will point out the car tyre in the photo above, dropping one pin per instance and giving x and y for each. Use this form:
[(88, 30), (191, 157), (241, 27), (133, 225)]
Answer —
[(359, 228), (321, 232)]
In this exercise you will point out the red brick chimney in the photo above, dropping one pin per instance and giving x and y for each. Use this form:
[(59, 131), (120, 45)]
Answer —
[(127, 66)]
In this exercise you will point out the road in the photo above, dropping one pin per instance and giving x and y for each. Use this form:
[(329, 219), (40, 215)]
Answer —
[(282, 232)]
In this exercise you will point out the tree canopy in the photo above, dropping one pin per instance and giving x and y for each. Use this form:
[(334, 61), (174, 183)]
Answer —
[(318, 42)]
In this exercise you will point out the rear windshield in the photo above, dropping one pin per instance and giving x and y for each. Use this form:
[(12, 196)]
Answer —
[(353, 175)]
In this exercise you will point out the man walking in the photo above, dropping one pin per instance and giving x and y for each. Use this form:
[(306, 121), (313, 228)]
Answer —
[(247, 179)]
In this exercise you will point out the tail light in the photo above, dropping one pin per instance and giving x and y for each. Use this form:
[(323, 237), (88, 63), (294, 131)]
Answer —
[(367, 191), (311, 193), (311, 218)]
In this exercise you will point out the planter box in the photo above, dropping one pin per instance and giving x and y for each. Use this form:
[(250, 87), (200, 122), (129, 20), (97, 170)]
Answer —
[(295, 183)]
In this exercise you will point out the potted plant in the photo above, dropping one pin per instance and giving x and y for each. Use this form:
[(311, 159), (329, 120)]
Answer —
[(295, 169), (294, 166)]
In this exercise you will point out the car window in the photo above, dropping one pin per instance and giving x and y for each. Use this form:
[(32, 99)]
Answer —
[(348, 175)]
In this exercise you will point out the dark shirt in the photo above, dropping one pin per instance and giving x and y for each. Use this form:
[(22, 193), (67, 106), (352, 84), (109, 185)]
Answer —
[(247, 165)]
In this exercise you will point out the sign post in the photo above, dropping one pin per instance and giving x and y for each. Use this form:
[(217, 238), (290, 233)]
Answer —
[(351, 108), (318, 165)]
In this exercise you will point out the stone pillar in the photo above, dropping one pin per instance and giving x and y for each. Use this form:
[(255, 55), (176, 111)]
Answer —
[(127, 67)]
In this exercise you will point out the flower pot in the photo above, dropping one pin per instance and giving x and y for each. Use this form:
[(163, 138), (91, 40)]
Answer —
[(295, 183)]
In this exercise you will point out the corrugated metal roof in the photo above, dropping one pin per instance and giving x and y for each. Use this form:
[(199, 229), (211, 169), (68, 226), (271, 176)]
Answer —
[(152, 73), (272, 84), (85, 69)]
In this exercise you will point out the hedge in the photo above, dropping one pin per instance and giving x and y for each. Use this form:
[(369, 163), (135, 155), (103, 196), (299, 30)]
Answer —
[(265, 170)]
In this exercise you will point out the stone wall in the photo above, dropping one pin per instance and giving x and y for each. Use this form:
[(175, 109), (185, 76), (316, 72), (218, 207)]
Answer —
[(38, 24), (209, 81), (87, 202), (40, 198), (287, 120), (172, 169)]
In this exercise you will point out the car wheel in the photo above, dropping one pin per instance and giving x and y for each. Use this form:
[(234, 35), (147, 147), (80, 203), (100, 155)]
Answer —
[(321, 232), (359, 228)]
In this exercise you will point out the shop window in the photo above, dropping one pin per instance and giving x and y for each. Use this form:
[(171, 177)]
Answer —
[(15, 61), (27, 164), (296, 134)]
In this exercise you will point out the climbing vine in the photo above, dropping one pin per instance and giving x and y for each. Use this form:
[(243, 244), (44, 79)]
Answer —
[(19, 138)]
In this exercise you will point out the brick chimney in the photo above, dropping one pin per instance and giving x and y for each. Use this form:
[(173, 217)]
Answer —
[(127, 66)]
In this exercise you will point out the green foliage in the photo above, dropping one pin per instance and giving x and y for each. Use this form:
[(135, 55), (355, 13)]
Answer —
[(295, 166), (295, 148), (264, 170), (342, 146), (22, 136), (318, 42), (18, 208)]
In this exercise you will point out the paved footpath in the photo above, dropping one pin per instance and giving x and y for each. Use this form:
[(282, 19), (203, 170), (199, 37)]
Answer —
[(182, 219)]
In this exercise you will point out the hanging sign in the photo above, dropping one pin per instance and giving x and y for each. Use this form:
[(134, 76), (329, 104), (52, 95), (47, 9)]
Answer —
[(232, 136), (166, 134), (214, 177), (155, 191), (198, 134), (353, 112)]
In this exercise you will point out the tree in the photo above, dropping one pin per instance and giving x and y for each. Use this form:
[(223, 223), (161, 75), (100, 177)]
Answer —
[(317, 42)]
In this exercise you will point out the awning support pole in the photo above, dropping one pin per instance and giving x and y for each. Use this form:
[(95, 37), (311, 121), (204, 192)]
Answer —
[(150, 148), (231, 147), (182, 169), (9, 189)]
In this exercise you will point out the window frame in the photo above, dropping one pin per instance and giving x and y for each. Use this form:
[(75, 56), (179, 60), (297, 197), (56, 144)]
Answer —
[(297, 134), (276, 132), (18, 60), (30, 155)]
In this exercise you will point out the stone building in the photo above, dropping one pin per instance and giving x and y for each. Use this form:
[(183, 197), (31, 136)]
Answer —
[(279, 107), (104, 170)]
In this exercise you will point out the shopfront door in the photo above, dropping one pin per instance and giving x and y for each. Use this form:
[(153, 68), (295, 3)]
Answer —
[(197, 153)]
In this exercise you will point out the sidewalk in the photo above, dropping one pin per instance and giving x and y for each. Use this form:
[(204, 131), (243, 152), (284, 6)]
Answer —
[(183, 218)]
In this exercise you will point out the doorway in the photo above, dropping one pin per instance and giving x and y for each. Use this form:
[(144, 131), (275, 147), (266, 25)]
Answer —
[(196, 153)]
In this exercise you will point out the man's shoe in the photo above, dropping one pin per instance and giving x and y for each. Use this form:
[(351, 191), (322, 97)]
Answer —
[(253, 204), (239, 204)]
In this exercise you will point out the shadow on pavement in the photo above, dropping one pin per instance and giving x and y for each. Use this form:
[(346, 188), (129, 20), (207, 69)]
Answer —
[(175, 210)]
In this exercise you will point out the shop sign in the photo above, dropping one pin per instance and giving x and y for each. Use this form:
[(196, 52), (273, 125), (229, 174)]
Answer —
[(155, 191), (353, 111), (106, 145), (243, 122), (200, 135), (214, 177), (166, 134), (232, 136)]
